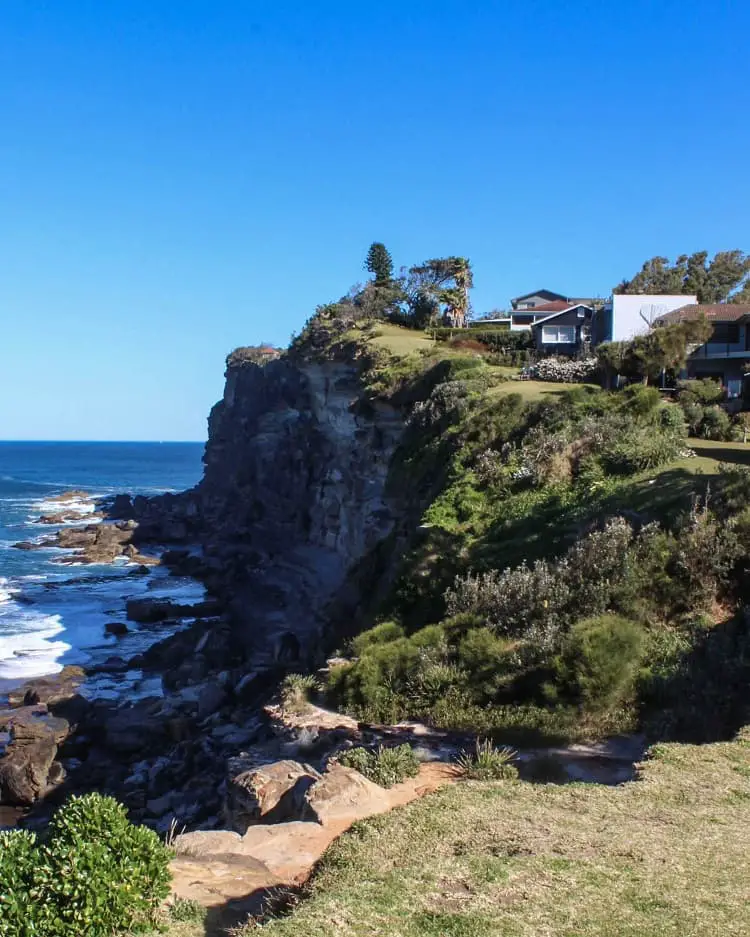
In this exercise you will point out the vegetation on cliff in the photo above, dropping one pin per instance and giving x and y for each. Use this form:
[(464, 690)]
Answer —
[(563, 563)]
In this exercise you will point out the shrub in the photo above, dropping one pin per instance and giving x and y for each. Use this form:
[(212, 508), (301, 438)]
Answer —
[(385, 766), (487, 763), (97, 874), (380, 634), (599, 661), (488, 660), (18, 860), (296, 691)]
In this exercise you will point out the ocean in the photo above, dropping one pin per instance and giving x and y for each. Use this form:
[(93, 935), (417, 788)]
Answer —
[(53, 615)]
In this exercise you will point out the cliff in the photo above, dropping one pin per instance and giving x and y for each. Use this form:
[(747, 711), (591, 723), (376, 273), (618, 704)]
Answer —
[(293, 497)]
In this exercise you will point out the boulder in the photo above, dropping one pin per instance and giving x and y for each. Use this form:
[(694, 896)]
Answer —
[(116, 628), (343, 796), (270, 793), (212, 697), (26, 769)]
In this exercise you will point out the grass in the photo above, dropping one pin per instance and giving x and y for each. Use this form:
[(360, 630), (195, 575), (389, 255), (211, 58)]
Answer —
[(710, 454), (665, 856), (531, 390), (401, 341)]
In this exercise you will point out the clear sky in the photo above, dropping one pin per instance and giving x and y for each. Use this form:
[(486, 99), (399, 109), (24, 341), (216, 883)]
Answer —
[(179, 177)]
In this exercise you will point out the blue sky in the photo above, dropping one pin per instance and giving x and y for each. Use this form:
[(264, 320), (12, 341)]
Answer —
[(179, 178)]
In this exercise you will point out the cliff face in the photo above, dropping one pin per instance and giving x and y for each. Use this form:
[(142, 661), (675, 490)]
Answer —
[(293, 496)]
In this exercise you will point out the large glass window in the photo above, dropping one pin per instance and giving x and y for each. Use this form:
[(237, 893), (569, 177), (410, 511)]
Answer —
[(558, 334)]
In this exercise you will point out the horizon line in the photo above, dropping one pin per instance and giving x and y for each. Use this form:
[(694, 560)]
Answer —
[(160, 442)]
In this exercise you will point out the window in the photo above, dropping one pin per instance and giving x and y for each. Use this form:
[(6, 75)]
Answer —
[(558, 334), (733, 334)]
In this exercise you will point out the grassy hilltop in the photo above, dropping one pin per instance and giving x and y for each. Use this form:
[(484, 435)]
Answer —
[(571, 562)]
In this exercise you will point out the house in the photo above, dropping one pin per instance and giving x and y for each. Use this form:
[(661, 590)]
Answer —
[(539, 298), (565, 331), (626, 315), (724, 356)]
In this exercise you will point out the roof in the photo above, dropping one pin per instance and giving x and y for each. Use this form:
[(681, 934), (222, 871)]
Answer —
[(550, 293), (566, 308), (557, 306), (717, 312)]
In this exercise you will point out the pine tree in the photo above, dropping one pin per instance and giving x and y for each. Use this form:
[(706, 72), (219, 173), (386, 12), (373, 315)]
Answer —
[(379, 263)]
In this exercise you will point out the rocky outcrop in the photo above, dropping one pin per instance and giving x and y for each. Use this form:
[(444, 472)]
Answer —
[(268, 794), (293, 497), (28, 769)]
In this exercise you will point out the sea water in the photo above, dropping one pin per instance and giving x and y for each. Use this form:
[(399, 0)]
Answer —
[(52, 615)]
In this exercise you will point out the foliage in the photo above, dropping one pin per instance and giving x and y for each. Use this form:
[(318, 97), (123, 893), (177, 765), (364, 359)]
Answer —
[(252, 354), (296, 690), (96, 874), (18, 862), (440, 285), (379, 263), (385, 766), (719, 280), (186, 910), (599, 661), (700, 401), (488, 763)]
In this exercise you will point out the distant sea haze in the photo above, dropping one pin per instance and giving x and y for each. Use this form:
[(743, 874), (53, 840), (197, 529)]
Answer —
[(51, 615)]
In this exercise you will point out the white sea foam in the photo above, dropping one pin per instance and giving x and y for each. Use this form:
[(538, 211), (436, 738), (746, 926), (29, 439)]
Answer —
[(31, 650), (6, 592)]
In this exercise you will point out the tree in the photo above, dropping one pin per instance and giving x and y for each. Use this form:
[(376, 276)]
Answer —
[(379, 263), (726, 278), (442, 283), (664, 348)]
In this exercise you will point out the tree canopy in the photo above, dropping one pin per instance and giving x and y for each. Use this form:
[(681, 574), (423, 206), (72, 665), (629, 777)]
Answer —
[(663, 348), (440, 282), (725, 278), (380, 263)]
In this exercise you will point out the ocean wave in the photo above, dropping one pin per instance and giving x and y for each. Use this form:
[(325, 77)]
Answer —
[(31, 651), (6, 591)]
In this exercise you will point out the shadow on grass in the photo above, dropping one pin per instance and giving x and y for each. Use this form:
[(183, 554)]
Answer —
[(724, 454)]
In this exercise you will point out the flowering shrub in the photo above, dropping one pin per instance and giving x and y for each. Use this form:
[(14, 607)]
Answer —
[(562, 370)]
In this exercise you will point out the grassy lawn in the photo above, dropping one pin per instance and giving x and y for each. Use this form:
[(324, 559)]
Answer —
[(530, 390), (401, 341), (665, 856), (710, 453)]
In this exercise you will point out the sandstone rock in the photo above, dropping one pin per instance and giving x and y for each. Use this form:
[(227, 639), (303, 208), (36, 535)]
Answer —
[(342, 796), (48, 690), (26, 768), (268, 794)]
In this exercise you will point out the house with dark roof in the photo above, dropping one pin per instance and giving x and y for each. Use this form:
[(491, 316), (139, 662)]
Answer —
[(565, 329), (726, 353), (538, 298)]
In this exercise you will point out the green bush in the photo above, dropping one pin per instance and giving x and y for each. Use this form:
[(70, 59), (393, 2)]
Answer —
[(487, 763), (385, 766), (380, 634), (18, 862), (599, 661), (97, 874)]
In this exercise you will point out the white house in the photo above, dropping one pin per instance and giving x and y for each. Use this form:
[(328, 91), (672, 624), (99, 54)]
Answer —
[(628, 315)]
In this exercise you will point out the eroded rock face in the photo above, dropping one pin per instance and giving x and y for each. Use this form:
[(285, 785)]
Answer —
[(343, 796), (268, 794), (293, 497), (26, 768)]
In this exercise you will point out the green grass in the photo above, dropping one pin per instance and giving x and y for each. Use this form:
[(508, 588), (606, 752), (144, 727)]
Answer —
[(711, 454), (531, 390), (401, 341), (665, 856)]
